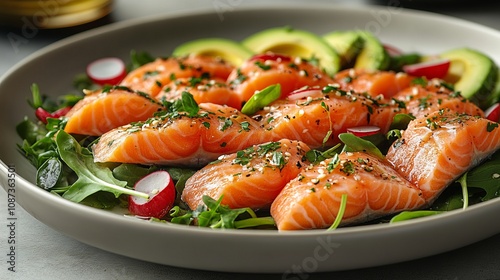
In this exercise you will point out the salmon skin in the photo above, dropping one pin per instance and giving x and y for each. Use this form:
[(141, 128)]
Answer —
[(152, 77), (373, 188), (438, 148), (103, 110), (179, 139), (252, 177)]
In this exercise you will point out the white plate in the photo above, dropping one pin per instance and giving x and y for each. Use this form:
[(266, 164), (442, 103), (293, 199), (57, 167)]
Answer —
[(54, 67)]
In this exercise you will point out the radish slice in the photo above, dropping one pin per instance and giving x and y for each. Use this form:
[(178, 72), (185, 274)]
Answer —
[(362, 131), (271, 56), (429, 69), (42, 114), (392, 51), (304, 93), (161, 190), (493, 113), (107, 71)]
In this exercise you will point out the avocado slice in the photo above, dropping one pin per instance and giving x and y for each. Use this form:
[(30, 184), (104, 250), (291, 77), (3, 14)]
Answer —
[(294, 42), (373, 56), (229, 50), (348, 45), (474, 74)]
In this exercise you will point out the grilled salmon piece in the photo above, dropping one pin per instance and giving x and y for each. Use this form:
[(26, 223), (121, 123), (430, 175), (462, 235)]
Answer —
[(438, 148), (103, 110), (181, 139), (252, 177), (373, 188), (152, 77)]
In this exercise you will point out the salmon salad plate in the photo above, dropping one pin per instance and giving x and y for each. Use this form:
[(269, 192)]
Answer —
[(352, 135)]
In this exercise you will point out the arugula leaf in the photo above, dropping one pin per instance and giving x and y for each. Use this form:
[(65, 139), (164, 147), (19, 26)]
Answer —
[(215, 215), (401, 121), (316, 156), (131, 173), (101, 200), (138, 59), (486, 177), (408, 215), (356, 144), (92, 177), (49, 174), (397, 62), (261, 99)]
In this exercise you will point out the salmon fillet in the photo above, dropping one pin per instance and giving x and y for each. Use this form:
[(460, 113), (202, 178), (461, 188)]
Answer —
[(373, 188), (180, 139), (255, 75), (433, 97), (438, 148), (312, 118), (152, 77), (386, 83), (251, 178), (103, 110), (204, 90)]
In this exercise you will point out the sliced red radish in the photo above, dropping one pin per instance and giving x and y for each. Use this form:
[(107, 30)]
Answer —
[(107, 71), (493, 113), (392, 51), (305, 92), (161, 190), (271, 56), (42, 114), (429, 69), (362, 131)]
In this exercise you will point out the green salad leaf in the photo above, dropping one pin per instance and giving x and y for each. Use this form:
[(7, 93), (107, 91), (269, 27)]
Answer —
[(92, 177), (215, 215), (356, 144), (486, 177), (261, 99)]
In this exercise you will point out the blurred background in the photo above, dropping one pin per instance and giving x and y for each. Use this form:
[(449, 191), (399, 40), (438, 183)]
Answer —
[(28, 25)]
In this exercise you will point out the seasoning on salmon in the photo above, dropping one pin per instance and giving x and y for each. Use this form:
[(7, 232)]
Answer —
[(152, 77), (373, 188), (317, 119), (438, 148), (252, 177), (421, 100), (103, 110), (386, 83), (291, 74), (180, 139), (203, 89)]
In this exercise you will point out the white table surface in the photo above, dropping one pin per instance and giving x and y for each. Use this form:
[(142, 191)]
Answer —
[(43, 253)]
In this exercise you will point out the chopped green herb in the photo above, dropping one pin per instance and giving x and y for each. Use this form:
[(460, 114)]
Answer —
[(262, 65), (261, 99)]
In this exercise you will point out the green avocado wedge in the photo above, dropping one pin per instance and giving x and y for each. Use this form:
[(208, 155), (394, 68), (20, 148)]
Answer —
[(228, 50), (294, 42), (348, 44), (473, 74), (373, 56)]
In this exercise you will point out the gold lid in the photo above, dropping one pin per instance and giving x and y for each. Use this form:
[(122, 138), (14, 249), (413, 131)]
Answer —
[(47, 14)]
